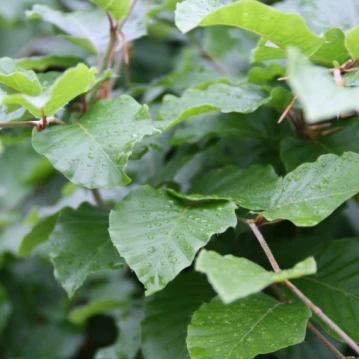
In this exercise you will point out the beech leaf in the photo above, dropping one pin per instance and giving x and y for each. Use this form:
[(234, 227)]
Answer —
[(277, 27), (254, 325), (66, 87), (158, 234), (104, 138), (234, 277), (80, 245), (19, 79)]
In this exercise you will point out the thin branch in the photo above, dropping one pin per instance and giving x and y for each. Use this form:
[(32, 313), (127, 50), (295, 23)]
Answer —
[(289, 107), (346, 338), (97, 196), (208, 56), (323, 316), (38, 124), (265, 246), (325, 341)]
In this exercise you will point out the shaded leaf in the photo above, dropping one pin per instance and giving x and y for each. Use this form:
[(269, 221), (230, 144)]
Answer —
[(158, 235), (279, 28), (334, 288), (320, 97), (129, 341), (104, 138), (21, 80), (40, 233), (254, 325), (80, 245), (66, 87), (311, 347), (168, 313), (321, 15), (5, 309), (90, 29), (234, 278), (217, 97)]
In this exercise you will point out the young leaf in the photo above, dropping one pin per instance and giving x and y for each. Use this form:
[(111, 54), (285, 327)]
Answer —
[(66, 87), (222, 97), (104, 138), (254, 325), (281, 29), (168, 313), (21, 80), (351, 42), (334, 288), (80, 245), (234, 277), (158, 235), (320, 97), (118, 8)]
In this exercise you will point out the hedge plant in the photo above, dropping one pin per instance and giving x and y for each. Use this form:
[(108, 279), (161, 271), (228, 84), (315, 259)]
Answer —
[(179, 179)]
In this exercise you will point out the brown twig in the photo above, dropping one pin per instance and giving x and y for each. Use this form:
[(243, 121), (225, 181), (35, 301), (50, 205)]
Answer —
[(97, 196), (265, 246), (38, 124), (325, 341), (346, 338), (289, 107)]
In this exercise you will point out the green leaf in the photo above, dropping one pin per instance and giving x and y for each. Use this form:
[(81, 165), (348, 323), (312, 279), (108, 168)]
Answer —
[(254, 325), (158, 235), (234, 278), (129, 339), (314, 190), (80, 245), (311, 347), (40, 233), (69, 85), (217, 97), (295, 151), (21, 80), (250, 188), (320, 97), (5, 309), (168, 313), (104, 138), (351, 42), (41, 63), (305, 196), (90, 29), (322, 15), (332, 50), (118, 8), (261, 75), (80, 315), (279, 28), (334, 288)]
